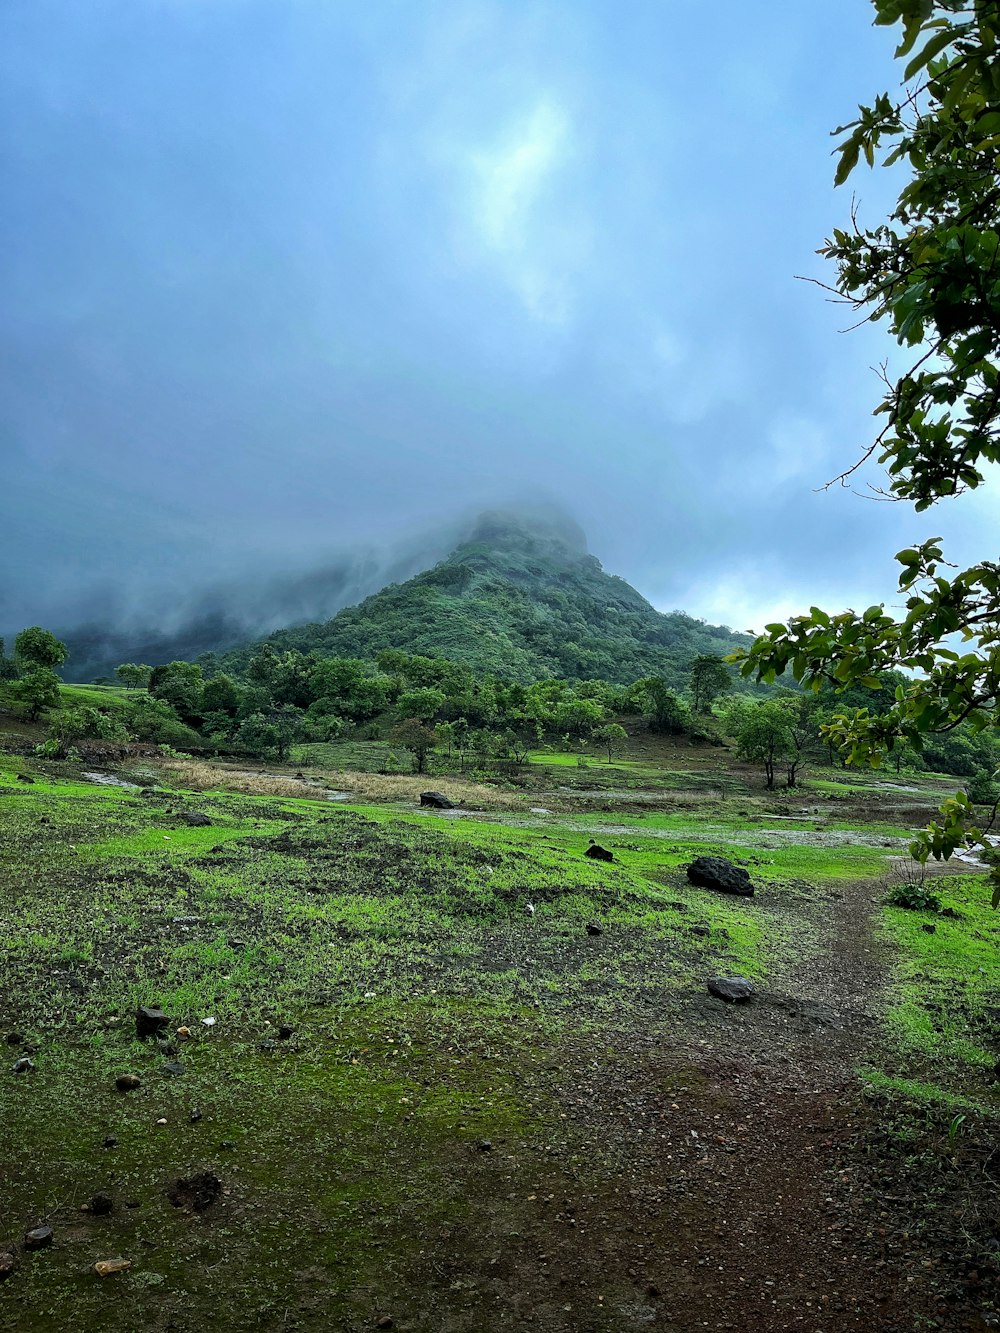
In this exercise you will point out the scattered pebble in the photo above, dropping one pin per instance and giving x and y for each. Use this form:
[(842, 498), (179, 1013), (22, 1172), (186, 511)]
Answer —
[(194, 1115), (162, 1120), (149, 1021), (128, 1082), (593, 928), (23, 1066), (39, 1238), (208, 1022), (172, 1068), (110, 1141), (387, 1321)]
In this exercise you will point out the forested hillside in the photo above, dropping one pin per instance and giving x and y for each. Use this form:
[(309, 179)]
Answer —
[(522, 600)]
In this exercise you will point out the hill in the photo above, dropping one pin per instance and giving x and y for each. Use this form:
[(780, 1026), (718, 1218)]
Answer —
[(523, 599)]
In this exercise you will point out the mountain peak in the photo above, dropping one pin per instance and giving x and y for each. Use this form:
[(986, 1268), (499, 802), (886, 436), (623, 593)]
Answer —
[(542, 526)]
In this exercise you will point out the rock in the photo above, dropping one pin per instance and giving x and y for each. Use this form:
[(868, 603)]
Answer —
[(184, 1033), (712, 872), (39, 1238), (8, 1262), (930, 927), (185, 920), (208, 1022), (128, 1082), (227, 1145), (110, 1141), (701, 930), (23, 777), (598, 853), (284, 1032), (194, 818), (196, 1192), (594, 929), (386, 1321), (14, 1038), (735, 990), (485, 1145), (149, 1021), (100, 1205), (107, 1267), (23, 1066), (436, 800), (172, 1068), (266, 1045), (194, 1115)]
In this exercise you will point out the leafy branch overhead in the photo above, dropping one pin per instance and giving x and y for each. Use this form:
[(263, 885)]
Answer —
[(932, 272)]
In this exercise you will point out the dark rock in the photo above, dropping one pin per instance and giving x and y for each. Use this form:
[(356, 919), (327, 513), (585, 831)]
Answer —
[(265, 1045), (594, 929), (598, 853), (950, 912), (14, 1038), (194, 818), (39, 1238), (386, 1321), (100, 1205), (23, 1066), (227, 1145), (485, 1145), (172, 1068), (930, 927), (712, 872), (436, 800), (195, 1192), (110, 1141), (128, 1082), (8, 1262), (284, 1032), (735, 990), (149, 1021), (194, 1115), (23, 777), (701, 930)]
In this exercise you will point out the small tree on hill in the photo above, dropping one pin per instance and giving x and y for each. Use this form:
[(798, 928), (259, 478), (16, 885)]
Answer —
[(610, 737), (37, 647), (134, 675), (417, 738), (38, 690), (710, 677)]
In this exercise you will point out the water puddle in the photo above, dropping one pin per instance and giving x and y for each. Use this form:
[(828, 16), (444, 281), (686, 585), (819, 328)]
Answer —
[(111, 780)]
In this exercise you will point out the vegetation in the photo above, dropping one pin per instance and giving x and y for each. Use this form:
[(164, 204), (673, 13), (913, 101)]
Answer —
[(931, 271)]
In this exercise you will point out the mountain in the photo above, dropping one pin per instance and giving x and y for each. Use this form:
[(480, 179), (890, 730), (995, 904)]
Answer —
[(521, 598)]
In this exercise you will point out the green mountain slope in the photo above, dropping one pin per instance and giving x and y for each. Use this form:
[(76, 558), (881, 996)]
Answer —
[(521, 599)]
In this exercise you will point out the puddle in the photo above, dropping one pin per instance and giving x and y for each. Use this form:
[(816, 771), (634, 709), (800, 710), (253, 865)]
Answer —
[(110, 780)]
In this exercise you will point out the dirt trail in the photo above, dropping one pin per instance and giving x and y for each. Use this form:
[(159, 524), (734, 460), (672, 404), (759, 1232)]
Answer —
[(731, 1202)]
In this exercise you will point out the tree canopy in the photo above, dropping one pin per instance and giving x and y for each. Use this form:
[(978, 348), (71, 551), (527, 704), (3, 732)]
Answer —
[(931, 271)]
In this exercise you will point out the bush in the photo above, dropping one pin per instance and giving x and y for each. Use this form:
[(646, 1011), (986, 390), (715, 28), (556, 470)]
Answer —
[(915, 897)]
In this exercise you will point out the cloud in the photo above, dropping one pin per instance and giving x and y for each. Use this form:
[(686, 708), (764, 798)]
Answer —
[(511, 203)]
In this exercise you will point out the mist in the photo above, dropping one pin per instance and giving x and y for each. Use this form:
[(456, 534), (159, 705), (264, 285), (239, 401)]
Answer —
[(289, 290)]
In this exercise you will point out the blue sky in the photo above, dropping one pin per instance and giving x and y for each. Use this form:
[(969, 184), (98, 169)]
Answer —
[(284, 278)]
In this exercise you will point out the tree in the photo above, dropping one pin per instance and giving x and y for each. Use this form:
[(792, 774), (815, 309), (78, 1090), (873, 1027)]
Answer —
[(763, 735), (37, 647), (134, 675), (422, 704), (417, 738), (610, 736), (932, 272), (38, 690), (668, 712), (709, 678), (181, 685), (270, 736)]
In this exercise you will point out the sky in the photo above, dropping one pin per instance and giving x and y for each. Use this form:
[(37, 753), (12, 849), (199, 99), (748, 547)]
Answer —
[(289, 283)]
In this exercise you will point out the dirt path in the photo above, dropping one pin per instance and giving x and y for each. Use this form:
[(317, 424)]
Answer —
[(729, 1199)]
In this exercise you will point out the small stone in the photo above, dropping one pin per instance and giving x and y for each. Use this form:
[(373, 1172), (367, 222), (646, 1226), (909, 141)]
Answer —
[(735, 990), (386, 1321), (485, 1145), (149, 1021), (23, 1066), (39, 1238), (930, 927), (162, 1120), (100, 1205), (14, 1038), (172, 1068), (183, 1032), (128, 1082), (284, 1032), (8, 1262), (110, 1141), (195, 819), (208, 1022), (107, 1267), (227, 1145), (594, 929), (598, 853), (194, 1115), (265, 1045)]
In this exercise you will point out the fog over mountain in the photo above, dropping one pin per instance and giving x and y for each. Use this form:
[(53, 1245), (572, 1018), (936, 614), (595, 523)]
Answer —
[(289, 290)]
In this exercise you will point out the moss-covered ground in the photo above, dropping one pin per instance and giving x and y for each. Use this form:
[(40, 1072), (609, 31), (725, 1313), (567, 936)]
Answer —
[(429, 1091)]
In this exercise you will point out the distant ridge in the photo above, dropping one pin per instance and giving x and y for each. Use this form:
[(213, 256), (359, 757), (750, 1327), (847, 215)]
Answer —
[(520, 597)]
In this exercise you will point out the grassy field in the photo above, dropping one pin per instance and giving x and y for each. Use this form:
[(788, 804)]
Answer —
[(430, 1031)]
